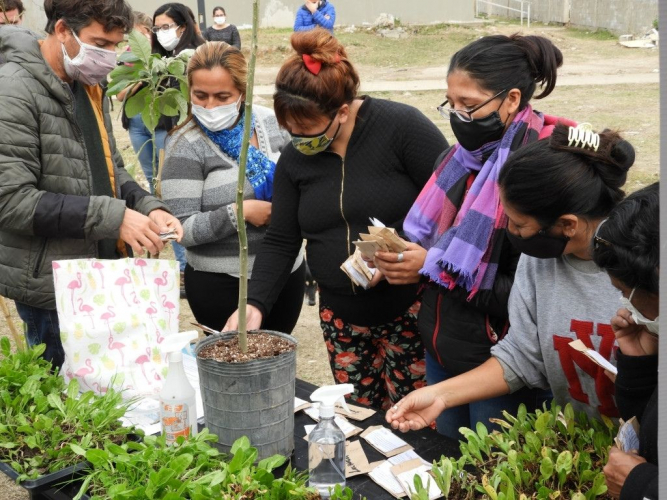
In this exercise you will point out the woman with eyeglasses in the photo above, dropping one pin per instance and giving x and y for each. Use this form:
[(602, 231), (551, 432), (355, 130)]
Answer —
[(174, 30), (627, 246), (555, 193), (352, 157), (457, 226), (199, 181)]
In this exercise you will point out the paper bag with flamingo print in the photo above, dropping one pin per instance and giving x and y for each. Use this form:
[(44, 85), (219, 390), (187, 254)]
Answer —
[(113, 317)]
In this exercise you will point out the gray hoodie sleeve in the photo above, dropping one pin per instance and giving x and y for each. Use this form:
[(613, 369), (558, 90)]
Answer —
[(183, 178), (520, 353)]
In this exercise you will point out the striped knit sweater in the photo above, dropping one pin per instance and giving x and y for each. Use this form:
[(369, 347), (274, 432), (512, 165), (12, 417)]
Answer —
[(199, 185)]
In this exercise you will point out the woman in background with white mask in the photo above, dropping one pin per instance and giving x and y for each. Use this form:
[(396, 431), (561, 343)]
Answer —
[(174, 31), (222, 31), (199, 181)]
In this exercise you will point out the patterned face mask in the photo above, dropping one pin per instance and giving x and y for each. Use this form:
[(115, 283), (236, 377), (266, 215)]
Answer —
[(313, 144)]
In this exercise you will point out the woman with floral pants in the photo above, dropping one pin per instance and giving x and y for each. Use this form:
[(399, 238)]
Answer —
[(351, 157), (383, 362)]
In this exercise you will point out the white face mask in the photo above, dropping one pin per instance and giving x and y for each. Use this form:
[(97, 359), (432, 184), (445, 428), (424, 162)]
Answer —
[(168, 39), (219, 20), (91, 65), (218, 118), (651, 325)]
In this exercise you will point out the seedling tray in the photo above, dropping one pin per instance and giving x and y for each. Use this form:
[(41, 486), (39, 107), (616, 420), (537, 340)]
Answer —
[(48, 486)]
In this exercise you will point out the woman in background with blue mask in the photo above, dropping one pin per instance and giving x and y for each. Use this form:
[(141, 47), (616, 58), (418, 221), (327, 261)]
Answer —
[(352, 157), (457, 227), (555, 193), (627, 246), (199, 180)]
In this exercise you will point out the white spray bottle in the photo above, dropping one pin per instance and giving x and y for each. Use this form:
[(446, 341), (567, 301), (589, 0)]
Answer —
[(178, 412), (326, 442)]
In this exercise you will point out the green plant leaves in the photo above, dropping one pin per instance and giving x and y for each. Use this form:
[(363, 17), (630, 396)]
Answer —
[(140, 46), (176, 67), (135, 104), (546, 455)]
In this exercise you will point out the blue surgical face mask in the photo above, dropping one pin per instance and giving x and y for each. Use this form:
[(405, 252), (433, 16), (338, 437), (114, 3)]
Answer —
[(639, 319)]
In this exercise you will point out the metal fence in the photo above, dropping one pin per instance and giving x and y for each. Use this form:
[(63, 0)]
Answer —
[(523, 10)]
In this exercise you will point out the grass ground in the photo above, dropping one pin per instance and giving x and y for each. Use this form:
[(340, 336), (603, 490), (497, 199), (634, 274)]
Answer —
[(632, 109)]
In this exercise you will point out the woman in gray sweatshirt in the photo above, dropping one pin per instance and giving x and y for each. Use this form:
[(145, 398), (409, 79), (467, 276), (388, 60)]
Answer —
[(555, 193)]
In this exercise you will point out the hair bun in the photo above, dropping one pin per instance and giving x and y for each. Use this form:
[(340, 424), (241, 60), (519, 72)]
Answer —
[(319, 44), (624, 154)]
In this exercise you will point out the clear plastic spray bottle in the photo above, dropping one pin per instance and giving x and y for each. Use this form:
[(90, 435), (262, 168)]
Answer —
[(326, 442)]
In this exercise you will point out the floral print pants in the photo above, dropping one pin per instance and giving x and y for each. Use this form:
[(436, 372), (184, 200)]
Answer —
[(384, 363)]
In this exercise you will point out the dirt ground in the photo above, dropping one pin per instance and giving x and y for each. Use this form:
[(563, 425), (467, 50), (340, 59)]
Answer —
[(600, 82)]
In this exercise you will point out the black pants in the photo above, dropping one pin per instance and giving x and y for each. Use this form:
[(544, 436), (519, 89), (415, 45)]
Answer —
[(213, 297)]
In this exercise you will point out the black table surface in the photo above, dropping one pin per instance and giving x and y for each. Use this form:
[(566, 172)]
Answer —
[(427, 443)]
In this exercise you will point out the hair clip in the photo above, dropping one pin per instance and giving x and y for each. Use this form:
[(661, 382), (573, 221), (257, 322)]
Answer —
[(582, 136), (315, 66)]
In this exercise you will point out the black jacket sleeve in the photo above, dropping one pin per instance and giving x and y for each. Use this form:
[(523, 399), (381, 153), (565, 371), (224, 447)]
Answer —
[(641, 483), (494, 302), (280, 247), (419, 142), (635, 383)]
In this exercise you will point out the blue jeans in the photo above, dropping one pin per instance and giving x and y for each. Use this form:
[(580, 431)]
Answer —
[(43, 328), (449, 421), (179, 252), (140, 137)]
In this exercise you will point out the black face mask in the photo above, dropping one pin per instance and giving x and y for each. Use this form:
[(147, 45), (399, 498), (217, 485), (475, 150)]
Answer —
[(541, 245), (473, 135)]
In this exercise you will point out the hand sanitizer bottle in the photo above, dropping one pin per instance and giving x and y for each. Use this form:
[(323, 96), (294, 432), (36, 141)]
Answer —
[(178, 412), (326, 442)]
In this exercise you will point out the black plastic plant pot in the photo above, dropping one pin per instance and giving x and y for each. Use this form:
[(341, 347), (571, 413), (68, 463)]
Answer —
[(47, 487)]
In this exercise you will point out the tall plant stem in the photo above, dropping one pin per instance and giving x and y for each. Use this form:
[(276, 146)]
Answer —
[(243, 237)]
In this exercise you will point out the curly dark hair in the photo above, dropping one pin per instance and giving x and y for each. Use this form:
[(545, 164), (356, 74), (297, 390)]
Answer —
[(628, 242), (77, 14)]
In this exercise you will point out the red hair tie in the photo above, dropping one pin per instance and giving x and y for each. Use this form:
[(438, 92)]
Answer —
[(315, 66)]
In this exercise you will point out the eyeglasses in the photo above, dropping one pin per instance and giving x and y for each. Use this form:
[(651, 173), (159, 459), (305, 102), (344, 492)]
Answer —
[(164, 27), (465, 115), (597, 240)]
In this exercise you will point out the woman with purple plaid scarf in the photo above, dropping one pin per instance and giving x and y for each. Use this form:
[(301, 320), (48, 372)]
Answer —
[(457, 225)]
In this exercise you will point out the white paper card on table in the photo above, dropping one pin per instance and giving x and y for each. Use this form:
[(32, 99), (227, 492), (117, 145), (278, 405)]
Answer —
[(407, 471), (376, 222), (383, 477), (144, 415), (313, 412), (594, 356), (406, 456), (627, 438), (301, 404), (385, 441)]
